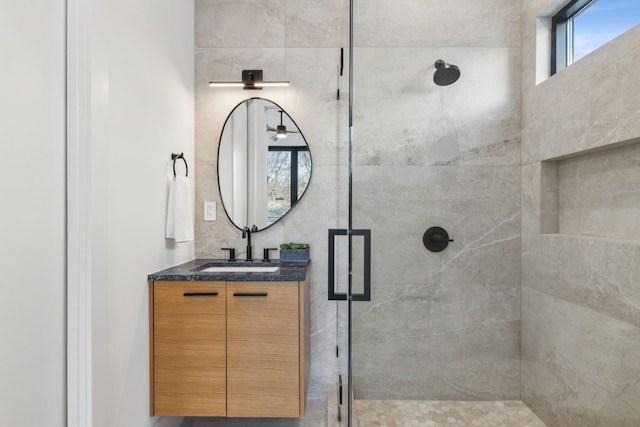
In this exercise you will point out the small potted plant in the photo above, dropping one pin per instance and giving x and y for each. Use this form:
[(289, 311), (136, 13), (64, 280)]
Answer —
[(294, 252)]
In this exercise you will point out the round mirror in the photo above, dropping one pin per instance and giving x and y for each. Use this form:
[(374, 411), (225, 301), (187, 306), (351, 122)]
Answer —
[(264, 164)]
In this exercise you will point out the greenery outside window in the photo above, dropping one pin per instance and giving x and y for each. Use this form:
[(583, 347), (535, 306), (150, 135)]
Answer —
[(582, 26)]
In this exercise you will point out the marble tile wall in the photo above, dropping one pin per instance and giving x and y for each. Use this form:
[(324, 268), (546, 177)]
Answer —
[(580, 296), (599, 195), (440, 326)]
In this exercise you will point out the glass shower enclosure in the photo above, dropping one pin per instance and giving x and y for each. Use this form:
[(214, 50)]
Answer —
[(417, 323)]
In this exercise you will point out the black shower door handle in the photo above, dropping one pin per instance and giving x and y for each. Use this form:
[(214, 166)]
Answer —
[(366, 296)]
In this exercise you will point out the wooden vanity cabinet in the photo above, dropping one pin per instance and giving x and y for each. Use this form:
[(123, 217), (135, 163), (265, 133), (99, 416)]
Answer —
[(263, 340), (248, 357), (188, 348)]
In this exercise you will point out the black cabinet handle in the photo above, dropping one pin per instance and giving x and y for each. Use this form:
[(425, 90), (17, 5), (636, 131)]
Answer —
[(200, 294), (256, 294)]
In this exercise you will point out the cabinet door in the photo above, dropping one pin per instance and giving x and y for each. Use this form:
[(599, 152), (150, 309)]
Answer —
[(263, 344), (189, 348)]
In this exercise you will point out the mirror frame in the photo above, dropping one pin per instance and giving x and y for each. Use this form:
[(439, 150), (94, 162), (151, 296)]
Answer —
[(218, 162)]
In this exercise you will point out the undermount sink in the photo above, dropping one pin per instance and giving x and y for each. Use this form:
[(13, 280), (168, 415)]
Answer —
[(240, 269)]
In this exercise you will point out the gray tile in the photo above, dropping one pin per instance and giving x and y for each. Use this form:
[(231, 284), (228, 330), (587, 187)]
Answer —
[(599, 193), (579, 368), (240, 23), (402, 118), (317, 23), (437, 341), (479, 206), (479, 362), (433, 23), (588, 105), (599, 274)]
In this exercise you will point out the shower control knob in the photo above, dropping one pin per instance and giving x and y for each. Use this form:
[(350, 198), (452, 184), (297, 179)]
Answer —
[(436, 239)]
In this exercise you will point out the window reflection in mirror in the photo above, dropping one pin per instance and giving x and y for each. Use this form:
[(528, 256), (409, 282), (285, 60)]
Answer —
[(264, 164), (289, 171)]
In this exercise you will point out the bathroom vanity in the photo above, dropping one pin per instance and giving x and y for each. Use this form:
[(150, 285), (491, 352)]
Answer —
[(229, 342)]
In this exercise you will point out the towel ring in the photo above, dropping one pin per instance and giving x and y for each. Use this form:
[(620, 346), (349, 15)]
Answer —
[(175, 157)]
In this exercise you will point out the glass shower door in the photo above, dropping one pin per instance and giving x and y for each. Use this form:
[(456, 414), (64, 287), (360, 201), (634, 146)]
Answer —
[(425, 324), (349, 254)]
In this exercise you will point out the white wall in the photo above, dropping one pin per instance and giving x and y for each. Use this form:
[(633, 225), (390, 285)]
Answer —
[(32, 213), (142, 110), (141, 69)]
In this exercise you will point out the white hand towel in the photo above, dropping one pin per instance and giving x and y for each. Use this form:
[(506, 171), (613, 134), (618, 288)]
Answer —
[(179, 210)]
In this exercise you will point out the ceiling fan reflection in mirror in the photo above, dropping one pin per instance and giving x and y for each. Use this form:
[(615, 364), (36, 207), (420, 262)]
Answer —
[(280, 130)]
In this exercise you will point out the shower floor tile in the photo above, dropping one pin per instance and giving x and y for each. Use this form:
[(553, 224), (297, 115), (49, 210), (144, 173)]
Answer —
[(405, 413)]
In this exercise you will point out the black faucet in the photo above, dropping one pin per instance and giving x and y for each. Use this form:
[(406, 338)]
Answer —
[(246, 234)]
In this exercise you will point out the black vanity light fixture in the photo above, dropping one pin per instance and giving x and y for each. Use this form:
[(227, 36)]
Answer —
[(251, 80)]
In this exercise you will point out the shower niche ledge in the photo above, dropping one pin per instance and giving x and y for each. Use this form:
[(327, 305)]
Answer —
[(593, 193)]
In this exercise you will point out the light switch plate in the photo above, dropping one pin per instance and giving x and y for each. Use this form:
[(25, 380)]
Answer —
[(209, 211)]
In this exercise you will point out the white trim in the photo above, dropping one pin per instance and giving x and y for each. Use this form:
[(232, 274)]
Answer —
[(79, 378)]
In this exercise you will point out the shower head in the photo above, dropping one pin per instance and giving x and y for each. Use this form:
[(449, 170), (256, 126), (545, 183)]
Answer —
[(445, 74)]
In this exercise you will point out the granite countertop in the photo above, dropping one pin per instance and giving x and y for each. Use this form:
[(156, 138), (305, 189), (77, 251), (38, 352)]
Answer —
[(190, 271)]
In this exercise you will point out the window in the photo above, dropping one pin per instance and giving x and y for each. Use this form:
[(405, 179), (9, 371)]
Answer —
[(585, 25), (288, 174)]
